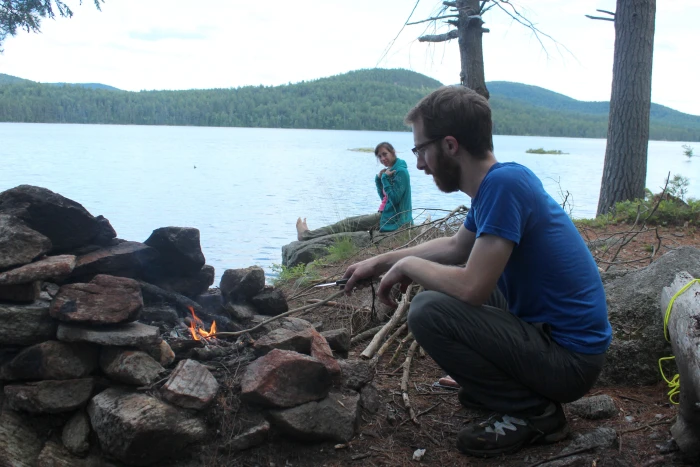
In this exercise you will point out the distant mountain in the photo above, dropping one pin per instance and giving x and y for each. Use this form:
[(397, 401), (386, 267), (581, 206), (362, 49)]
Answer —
[(88, 86), (372, 99)]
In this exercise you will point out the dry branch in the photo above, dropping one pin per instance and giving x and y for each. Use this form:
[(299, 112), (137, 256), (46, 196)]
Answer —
[(404, 382), (399, 347), (365, 335), (254, 328), (453, 34), (391, 338), (395, 318)]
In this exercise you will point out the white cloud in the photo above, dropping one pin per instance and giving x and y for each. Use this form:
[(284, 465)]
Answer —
[(169, 44)]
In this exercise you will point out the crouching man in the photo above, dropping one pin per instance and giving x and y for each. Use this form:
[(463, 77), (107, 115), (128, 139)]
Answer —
[(523, 327)]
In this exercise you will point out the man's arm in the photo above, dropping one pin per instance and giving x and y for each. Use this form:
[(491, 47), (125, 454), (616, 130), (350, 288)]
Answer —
[(472, 284), (446, 250)]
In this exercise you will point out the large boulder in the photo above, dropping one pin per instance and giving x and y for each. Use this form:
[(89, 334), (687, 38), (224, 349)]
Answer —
[(190, 285), (50, 267), (49, 396), (66, 223), (105, 300), (126, 259), (334, 418), (305, 252), (26, 324), (19, 244), (138, 429), (179, 250), (271, 302), (129, 366), (638, 330), (239, 285), (190, 385), (285, 339), (54, 360), (284, 378)]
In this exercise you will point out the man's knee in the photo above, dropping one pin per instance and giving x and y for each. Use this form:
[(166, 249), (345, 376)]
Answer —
[(422, 312)]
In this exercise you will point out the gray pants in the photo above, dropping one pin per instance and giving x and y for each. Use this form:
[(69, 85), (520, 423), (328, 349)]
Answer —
[(364, 223), (503, 363)]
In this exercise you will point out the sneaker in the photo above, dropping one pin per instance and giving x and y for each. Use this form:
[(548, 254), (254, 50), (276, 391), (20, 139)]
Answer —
[(504, 434)]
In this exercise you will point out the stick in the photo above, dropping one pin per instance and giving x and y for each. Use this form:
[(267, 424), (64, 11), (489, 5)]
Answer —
[(404, 382), (365, 335), (561, 456), (306, 307), (398, 314), (391, 338), (398, 348), (423, 412)]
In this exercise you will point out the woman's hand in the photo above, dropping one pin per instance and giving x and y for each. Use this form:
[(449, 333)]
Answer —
[(390, 173), (381, 172)]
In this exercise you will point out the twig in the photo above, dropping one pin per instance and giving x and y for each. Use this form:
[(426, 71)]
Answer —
[(306, 307), (562, 456), (648, 425), (365, 335), (404, 382), (358, 457), (391, 338), (398, 314), (422, 413), (653, 461), (399, 347)]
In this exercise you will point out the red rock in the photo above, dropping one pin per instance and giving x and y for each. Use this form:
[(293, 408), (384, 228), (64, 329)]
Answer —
[(284, 378), (53, 266), (105, 300), (322, 352), (190, 385)]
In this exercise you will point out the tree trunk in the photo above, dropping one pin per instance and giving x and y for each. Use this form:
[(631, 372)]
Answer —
[(470, 47), (625, 168), (684, 332)]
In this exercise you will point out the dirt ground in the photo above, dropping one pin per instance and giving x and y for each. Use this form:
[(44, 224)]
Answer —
[(643, 422)]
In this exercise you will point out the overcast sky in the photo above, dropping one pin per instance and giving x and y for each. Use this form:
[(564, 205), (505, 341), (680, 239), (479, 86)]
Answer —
[(174, 44)]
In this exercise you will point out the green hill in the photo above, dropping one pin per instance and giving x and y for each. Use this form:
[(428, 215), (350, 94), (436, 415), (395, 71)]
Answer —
[(373, 99)]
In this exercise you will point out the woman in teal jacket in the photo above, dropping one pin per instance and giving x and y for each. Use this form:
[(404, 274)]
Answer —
[(394, 189)]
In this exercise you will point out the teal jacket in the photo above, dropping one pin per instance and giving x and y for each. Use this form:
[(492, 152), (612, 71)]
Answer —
[(398, 208)]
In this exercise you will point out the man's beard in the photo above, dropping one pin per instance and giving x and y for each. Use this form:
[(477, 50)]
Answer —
[(446, 174)]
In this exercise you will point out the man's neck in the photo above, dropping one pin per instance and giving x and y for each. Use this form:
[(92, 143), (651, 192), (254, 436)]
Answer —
[(473, 173)]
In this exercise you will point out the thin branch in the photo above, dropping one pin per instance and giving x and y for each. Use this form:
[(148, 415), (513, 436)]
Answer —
[(388, 48), (432, 19), (562, 456), (404, 383), (606, 11), (600, 18), (452, 34)]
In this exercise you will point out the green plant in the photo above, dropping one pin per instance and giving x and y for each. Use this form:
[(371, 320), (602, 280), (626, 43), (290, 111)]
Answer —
[(342, 249), (303, 274), (678, 186), (688, 151)]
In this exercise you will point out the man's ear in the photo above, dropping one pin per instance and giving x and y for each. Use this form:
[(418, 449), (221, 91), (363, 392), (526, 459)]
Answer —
[(452, 145)]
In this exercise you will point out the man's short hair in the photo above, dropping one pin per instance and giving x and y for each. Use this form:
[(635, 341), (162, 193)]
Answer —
[(459, 112)]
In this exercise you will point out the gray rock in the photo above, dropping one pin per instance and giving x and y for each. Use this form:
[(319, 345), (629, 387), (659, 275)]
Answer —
[(138, 429), (293, 324), (633, 307), (179, 248), (76, 434), (19, 444), (212, 302), (305, 252), (242, 312), (270, 303), (284, 339), (49, 396), (601, 437), (334, 418), (66, 223), (190, 285), (119, 335), (355, 373), (20, 293), (26, 324), (250, 438), (239, 285), (594, 408), (105, 232), (54, 360), (129, 366), (126, 259), (19, 244), (284, 378), (52, 266), (55, 455), (338, 339), (190, 385), (105, 300), (162, 353), (159, 314), (370, 398)]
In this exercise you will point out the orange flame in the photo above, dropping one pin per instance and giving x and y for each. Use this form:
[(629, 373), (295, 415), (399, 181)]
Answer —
[(197, 328)]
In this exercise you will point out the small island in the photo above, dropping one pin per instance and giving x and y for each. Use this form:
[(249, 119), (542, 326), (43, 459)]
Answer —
[(543, 151), (362, 149)]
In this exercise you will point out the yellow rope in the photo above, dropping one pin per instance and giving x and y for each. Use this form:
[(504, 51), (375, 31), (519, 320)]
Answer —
[(674, 383)]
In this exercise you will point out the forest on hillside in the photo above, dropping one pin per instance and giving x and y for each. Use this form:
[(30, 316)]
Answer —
[(375, 99)]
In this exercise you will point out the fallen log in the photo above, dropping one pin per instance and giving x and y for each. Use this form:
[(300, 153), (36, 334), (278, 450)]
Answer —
[(683, 331)]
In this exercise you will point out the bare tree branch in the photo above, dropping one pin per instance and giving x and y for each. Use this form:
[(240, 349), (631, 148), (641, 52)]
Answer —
[(453, 34), (606, 11), (515, 15), (432, 19), (600, 18), (388, 48)]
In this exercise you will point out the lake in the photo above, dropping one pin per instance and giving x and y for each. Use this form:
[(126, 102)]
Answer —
[(244, 188)]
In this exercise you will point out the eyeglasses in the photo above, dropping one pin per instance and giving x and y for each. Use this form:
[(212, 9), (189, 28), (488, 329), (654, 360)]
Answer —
[(418, 150)]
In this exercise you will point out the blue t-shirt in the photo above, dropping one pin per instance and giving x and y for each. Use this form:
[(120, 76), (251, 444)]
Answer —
[(550, 276)]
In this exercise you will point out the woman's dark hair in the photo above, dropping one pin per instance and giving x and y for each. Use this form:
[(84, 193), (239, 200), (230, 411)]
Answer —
[(386, 146)]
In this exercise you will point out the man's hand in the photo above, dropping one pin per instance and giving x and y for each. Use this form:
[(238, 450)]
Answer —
[(359, 275), (394, 276)]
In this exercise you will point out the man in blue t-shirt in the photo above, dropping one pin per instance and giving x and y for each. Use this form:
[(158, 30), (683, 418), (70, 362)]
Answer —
[(513, 309)]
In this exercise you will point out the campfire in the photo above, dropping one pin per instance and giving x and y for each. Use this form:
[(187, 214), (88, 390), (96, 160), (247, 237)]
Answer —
[(198, 330)]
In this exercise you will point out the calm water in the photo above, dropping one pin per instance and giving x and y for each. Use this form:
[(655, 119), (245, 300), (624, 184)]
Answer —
[(250, 185)]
